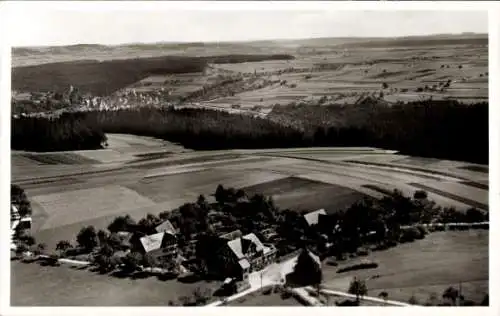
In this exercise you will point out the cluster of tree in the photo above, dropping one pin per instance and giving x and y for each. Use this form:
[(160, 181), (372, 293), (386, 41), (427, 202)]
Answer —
[(424, 128), (380, 224), (70, 131), (108, 247), (27, 243), (450, 297), (306, 271), (428, 128), (19, 198), (31, 106), (199, 128)]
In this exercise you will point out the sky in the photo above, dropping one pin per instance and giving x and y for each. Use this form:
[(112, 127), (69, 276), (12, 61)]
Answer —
[(68, 25)]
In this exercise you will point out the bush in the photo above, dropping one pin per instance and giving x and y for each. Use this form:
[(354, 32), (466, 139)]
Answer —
[(440, 228), (420, 194), (410, 234), (362, 252), (359, 266), (474, 215), (286, 294), (413, 300), (422, 230)]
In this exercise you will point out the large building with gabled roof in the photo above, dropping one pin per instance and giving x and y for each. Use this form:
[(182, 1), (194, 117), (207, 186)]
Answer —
[(247, 254), (161, 246), (312, 218)]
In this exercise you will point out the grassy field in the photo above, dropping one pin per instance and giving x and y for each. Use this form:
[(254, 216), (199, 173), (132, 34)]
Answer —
[(306, 195), (260, 299), (423, 267), (30, 284), (79, 205)]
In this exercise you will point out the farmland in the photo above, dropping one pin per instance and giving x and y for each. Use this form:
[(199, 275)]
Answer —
[(260, 75), (329, 92), (301, 179), (403, 272)]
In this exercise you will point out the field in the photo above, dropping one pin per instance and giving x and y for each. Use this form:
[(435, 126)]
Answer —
[(157, 176), (153, 178), (424, 267), (322, 72), (68, 286), (260, 299), (306, 195)]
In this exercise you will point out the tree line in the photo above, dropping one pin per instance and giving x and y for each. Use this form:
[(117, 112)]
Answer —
[(445, 130)]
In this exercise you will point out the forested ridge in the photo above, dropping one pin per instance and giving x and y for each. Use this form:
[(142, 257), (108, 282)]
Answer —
[(446, 130)]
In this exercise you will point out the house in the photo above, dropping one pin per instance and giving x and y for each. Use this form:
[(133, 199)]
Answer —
[(161, 246), (247, 254), (312, 218), (231, 235), (166, 227)]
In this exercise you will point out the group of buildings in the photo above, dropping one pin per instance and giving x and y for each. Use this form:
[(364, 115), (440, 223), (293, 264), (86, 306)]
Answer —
[(235, 256), (238, 257)]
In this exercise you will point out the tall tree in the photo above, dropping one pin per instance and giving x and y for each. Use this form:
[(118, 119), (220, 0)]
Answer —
[(307, 271), (358, 288), (87, 238)]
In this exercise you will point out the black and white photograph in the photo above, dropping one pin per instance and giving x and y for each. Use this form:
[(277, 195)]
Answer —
[(199, 156)]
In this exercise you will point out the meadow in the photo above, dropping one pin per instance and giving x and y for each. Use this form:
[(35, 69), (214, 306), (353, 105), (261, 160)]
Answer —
[(423, 267), (75, 287)]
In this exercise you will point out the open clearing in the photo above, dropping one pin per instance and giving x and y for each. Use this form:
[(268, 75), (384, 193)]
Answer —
[(423, 267)]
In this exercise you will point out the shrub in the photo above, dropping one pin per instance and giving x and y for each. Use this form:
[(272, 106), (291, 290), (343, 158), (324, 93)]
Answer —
[(286, 294), (359, 266), (440, 228), (413, 300), (362, 252), (420, 194), (474, 215), (422, 230), (410, 234)]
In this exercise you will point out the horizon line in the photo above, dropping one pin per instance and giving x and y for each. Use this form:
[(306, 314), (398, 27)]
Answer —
[(251, 40)]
